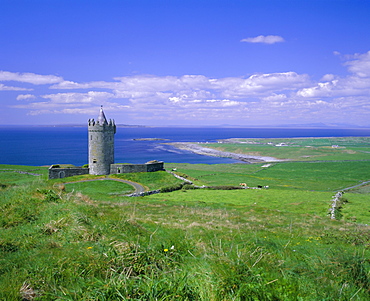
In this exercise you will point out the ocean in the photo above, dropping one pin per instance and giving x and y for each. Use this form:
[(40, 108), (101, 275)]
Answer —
[(43, 145)]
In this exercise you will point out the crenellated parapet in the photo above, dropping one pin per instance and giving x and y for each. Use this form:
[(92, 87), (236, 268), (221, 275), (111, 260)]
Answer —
[(101, 125)]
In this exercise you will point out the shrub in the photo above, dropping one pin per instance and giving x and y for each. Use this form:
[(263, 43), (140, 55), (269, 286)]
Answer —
[(50, 195), (171, 188), (223, 187), (188, 186)]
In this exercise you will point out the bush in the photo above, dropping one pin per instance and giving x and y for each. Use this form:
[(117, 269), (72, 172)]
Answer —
[(50, 195), (223, 187), (171, 188), (188, 186)]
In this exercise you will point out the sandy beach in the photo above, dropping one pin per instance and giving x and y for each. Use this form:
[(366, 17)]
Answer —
[(200, 149)]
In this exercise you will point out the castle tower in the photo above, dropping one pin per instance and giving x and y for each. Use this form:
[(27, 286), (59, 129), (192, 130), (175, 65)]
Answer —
[(101, 144)]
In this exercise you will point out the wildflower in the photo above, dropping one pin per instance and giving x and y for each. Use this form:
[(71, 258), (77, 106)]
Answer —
[(89, 248), (166, 250), (172, 248)]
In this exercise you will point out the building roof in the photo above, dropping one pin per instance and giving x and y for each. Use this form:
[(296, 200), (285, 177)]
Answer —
[(101, 118)]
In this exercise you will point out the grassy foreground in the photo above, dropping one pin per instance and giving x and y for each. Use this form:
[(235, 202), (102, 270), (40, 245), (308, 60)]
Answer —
[(58, 243)]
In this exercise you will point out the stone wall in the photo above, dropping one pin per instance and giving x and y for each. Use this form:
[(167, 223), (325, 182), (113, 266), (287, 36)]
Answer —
[(58, 173), (127, 168)]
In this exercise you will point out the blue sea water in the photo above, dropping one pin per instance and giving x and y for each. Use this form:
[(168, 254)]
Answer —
[(57, 145)]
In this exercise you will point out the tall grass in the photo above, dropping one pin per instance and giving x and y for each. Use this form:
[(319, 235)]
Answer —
[(273, 244)]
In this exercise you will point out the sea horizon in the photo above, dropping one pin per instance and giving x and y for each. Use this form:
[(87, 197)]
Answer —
[(47, 145), (280, 126)]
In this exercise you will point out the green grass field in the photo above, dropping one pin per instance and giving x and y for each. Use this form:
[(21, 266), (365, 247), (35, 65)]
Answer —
[(86, 241), (317, 176), (100, 190)]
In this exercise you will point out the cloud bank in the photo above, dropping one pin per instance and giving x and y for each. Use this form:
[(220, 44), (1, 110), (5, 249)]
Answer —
[(32, 78), (261, 98)]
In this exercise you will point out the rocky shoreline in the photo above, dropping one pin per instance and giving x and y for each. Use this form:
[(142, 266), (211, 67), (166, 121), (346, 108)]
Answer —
[(201, 150)]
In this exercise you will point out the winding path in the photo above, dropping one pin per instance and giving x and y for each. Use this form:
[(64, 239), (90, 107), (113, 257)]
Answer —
[(138, 187)]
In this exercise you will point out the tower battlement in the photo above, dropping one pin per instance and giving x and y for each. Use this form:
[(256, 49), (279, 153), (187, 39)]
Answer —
[(101, 144), (92, 122)]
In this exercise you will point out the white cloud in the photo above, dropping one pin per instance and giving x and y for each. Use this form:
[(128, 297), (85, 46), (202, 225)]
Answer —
[(360, 65), (328, 77), (10, 88), (270, 39), (87, 111), (354, 85), (25, 96), (347, 86), (91, 97), (321, 90), (262, 84), (30, 78), (166, 96), (275, 97), (196, 86), (141, 83)]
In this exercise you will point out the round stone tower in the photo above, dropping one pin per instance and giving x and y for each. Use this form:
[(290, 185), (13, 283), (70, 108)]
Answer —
[(101, 144)]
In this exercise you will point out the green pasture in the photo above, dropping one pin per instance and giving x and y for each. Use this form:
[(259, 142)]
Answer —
[(317, 176), (184, 245), (85, 241), (109, 190), (104, 190), (151, 180), (12, 174), (277, 202), (307, 141), (301, 149)]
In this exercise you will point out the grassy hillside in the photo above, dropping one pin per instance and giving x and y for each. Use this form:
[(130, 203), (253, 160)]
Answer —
[(84, 242)]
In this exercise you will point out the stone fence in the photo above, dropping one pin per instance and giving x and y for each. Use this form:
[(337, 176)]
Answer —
[(128, 168), (56, 172)]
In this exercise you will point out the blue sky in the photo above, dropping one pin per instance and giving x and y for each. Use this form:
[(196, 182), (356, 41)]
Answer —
[(185, 62)]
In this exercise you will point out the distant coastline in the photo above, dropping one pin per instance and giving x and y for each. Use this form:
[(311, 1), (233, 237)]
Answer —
[(201, 150)]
